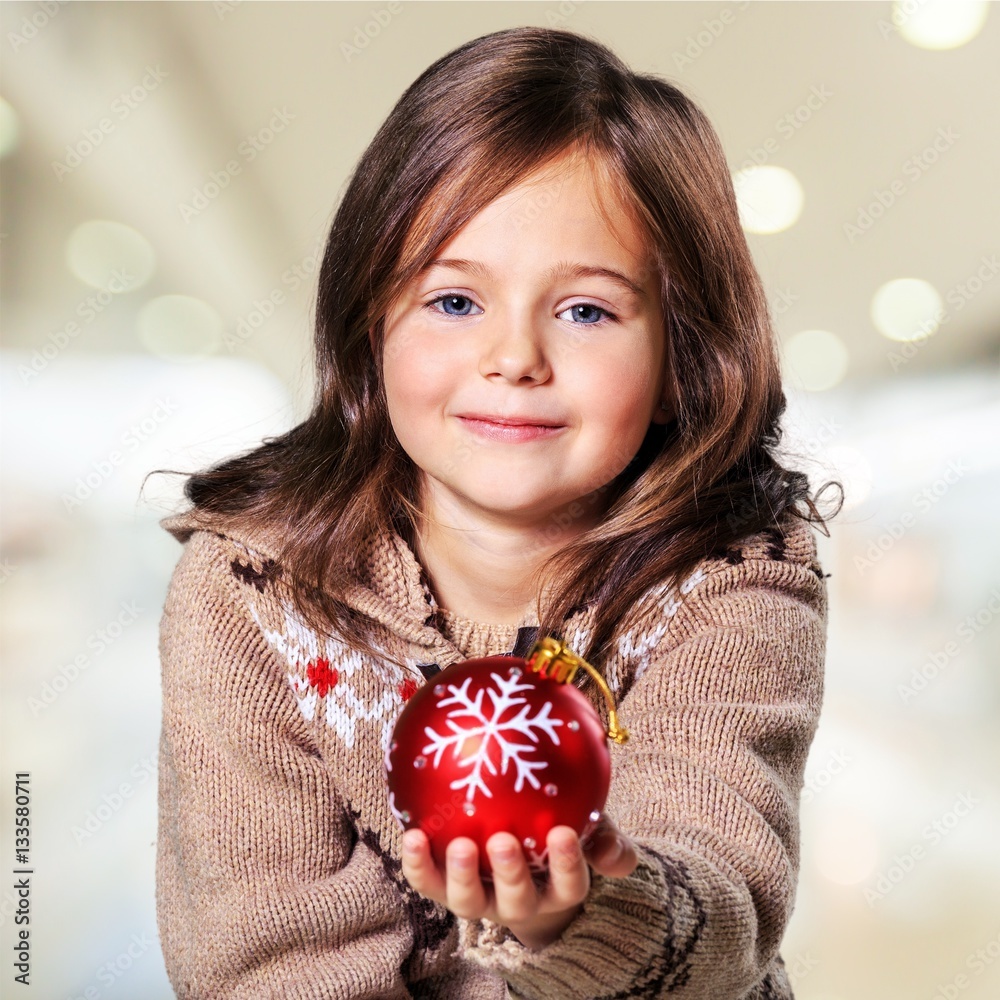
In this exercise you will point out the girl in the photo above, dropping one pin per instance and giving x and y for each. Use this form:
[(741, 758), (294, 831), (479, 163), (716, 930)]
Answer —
[(547, 405)]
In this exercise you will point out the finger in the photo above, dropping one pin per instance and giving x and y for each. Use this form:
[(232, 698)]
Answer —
[(569, 874), (600, 837), (612, 853), (515, 895), (419, 868), (466, 895)]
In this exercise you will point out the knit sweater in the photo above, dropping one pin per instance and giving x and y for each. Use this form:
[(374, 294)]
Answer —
[(278, 859)]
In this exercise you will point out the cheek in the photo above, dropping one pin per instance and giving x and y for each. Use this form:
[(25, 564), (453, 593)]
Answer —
[(416, 382), (622, 388)]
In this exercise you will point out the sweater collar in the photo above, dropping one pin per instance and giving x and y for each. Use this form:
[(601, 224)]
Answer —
[(393, 588)]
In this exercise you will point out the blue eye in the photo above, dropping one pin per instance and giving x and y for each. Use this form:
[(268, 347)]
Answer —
[(451, 300), (588, 309)]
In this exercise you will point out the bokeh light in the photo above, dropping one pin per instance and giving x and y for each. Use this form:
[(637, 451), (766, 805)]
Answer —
[(939, 24), (818, 359), (110, 256), (769, 198), (179, 327), (907, 309)]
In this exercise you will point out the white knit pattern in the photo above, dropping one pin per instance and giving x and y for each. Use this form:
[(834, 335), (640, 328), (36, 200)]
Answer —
[(637, 644), (345, 705)]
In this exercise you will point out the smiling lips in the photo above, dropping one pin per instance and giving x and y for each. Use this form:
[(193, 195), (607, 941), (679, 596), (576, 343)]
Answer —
[(511, 429)]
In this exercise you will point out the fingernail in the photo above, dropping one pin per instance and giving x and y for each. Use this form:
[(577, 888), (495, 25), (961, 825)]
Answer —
[(570, 854)]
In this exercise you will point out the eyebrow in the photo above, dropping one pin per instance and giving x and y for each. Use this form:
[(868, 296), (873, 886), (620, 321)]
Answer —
[(564, 269)]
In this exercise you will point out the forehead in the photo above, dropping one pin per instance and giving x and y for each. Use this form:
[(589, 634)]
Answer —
[(570, 199), (465, 193)]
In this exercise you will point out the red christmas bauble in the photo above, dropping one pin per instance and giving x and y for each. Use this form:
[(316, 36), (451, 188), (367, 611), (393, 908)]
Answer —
[(491, 745)]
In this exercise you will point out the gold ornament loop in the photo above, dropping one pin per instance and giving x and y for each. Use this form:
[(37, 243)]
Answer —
[(554, 659)]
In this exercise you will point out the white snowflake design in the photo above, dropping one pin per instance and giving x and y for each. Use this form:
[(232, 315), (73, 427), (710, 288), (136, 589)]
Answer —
[(492, 727), (538, 860), (342, 706)]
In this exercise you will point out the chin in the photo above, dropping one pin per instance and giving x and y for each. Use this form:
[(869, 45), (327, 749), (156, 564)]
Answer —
[(529, 513)]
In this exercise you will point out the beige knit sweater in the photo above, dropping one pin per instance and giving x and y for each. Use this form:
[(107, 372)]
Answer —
[(278, 871)]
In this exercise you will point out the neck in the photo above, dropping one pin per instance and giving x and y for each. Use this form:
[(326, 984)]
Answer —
[(487, 571)]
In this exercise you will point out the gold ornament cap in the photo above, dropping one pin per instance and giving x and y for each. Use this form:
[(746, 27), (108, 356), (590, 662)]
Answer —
[(551, 658)]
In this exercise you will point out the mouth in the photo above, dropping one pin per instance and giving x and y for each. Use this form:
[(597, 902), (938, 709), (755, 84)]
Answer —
[(486, 418), (509, 429)]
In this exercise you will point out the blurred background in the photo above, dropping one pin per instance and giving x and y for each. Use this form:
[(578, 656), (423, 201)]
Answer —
[(169, 171)]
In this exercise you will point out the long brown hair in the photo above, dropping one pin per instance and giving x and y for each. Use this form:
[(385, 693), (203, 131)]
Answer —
[(471, 126)]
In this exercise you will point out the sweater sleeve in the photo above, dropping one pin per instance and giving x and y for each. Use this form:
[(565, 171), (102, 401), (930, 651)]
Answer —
[(721, 715), (262, 888)]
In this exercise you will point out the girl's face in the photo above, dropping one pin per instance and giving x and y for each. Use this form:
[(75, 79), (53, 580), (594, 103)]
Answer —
[(523, 368)]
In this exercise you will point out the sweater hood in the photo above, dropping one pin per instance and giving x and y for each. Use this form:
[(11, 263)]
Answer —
[(390, 585)]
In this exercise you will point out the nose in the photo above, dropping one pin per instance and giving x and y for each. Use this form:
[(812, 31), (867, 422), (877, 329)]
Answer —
[(513, 350)]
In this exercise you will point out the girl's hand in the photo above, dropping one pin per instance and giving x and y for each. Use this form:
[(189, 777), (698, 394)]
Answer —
[(535, 917)]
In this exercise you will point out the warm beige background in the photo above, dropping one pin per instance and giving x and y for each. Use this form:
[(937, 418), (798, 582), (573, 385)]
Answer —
[(902, 784)]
